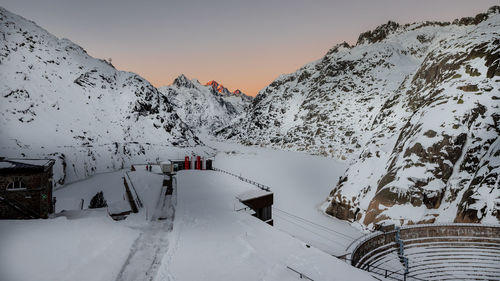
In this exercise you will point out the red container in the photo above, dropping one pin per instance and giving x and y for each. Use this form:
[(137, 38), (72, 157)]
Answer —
[(186, 163), (198, 163)]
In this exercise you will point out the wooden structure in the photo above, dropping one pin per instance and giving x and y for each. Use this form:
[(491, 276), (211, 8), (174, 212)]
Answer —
[(26, 188), (260, 201)]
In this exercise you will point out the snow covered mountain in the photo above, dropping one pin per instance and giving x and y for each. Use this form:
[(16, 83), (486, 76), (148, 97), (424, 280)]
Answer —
[(205, 108), (414, 108), (58, 101)]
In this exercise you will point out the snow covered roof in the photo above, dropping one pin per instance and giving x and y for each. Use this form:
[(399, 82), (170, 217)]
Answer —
[(252, 194), (4, 165), (11, 164)]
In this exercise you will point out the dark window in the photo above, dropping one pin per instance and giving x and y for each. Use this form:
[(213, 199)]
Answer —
[(17, 183), (266, 213)]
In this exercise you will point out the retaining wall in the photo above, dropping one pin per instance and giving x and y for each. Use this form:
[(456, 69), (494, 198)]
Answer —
[(375, 243)]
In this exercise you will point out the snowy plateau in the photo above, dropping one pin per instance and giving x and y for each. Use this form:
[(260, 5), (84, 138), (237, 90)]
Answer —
[(402, 127)]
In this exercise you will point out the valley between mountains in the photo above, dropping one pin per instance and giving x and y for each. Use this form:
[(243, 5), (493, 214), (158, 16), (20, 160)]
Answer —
[(413, 111)]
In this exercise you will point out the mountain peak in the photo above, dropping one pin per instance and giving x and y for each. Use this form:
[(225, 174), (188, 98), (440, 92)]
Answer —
[(378, 34), (182, 81), (219, 88), (336, 48), (213, 83)]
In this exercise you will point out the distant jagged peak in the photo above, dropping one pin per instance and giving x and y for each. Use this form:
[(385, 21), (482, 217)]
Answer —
[(183, 81), (336, 48), (218, 88), (214, 84), (378, 34)]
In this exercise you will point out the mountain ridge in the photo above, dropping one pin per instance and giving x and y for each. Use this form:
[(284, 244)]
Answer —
[(360, 104), (205, 107), (59, 102)]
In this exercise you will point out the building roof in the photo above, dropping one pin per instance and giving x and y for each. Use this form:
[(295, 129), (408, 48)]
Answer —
[(252, 194), (35, 165)]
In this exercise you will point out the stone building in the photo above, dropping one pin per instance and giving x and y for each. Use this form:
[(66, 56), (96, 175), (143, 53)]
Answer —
[(26, 188)]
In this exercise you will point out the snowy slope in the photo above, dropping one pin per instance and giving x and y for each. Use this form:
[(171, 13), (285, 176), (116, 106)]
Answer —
[(413, 108), (58, 101), (434, 153), (205, 108)]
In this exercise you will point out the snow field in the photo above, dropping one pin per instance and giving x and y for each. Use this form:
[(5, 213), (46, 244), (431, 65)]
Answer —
[(75, 246), (212, 241), (301, 184)]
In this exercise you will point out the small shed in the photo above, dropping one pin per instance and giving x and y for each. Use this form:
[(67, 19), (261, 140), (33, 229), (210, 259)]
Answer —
[(26, 188), (260, 201), (172, 166)]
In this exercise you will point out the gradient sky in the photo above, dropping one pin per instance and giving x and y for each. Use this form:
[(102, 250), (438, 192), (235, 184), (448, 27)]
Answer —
[(242, 44)]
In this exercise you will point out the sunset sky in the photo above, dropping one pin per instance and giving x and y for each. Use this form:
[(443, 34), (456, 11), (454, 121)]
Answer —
[(241, 44)]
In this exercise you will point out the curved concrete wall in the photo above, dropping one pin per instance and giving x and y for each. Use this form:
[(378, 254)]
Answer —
[(375, 243)]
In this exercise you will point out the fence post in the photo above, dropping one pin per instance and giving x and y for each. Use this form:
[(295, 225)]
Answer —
[(405, 276), (385, 276), (368, 268)]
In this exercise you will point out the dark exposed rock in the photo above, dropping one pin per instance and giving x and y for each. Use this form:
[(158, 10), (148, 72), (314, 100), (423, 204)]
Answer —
[(378, 34)]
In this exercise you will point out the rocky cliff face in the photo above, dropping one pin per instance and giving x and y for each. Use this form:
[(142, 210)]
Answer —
[(57, 101), (205, 108), (414, 109)]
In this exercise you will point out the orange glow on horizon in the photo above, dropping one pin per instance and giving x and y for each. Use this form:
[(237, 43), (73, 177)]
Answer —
[(254, 73), (247, 48)]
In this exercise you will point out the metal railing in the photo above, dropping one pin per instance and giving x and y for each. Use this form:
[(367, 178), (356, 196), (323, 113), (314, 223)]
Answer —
[(259, 185), (387, 273), (301, 275)]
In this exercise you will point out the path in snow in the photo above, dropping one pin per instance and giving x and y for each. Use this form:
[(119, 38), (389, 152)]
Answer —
[(148, 250)]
